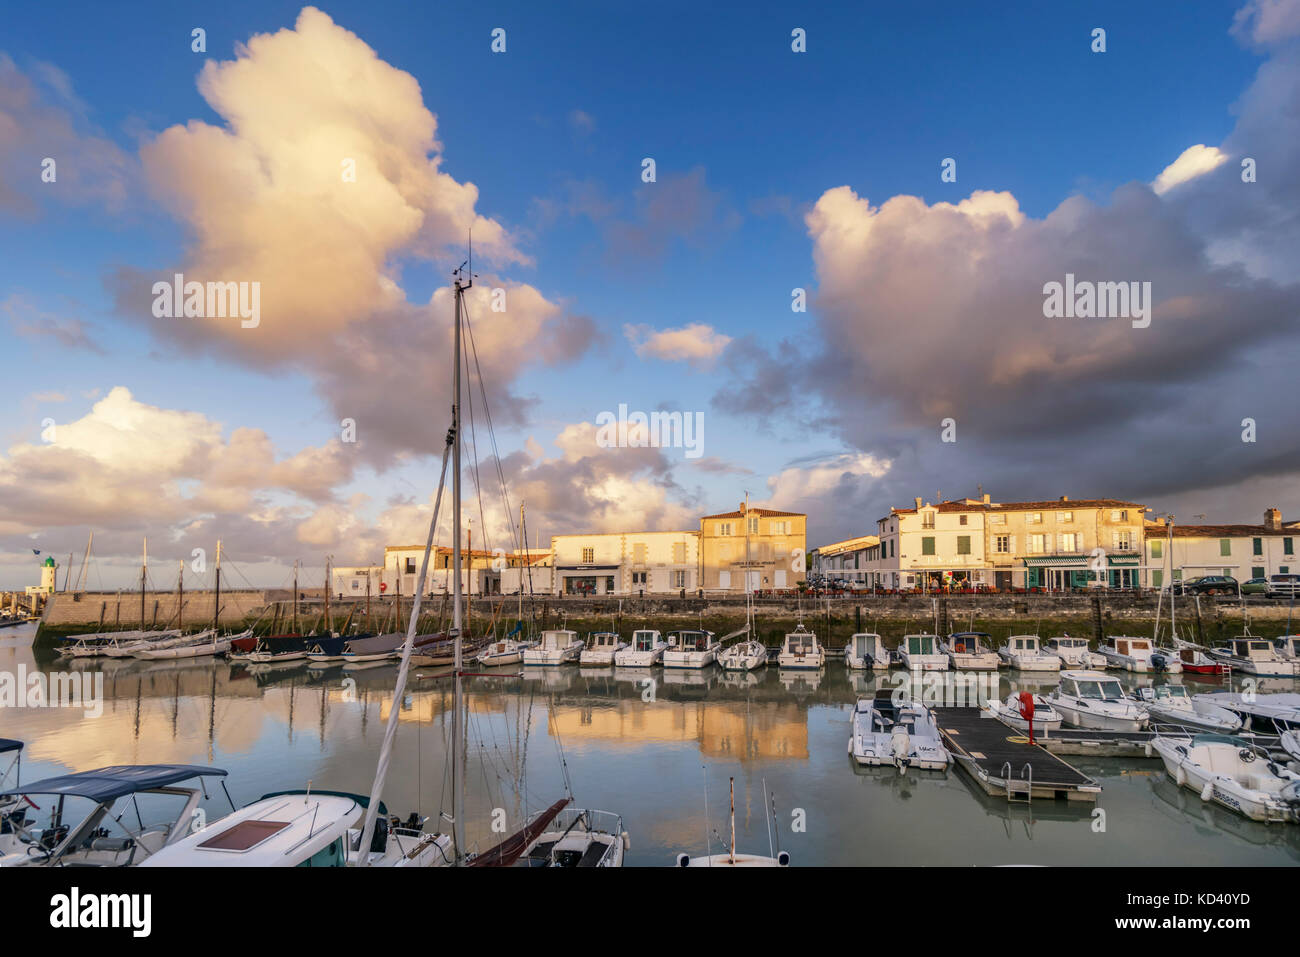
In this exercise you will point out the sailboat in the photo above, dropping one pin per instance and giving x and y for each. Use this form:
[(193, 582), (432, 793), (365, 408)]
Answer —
[(750, 653), (731, 858), (558, 836)]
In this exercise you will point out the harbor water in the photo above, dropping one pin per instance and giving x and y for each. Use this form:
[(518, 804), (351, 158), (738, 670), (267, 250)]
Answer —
[(657, 748)]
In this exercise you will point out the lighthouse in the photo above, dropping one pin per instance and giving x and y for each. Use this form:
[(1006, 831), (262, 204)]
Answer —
[(49, 574)]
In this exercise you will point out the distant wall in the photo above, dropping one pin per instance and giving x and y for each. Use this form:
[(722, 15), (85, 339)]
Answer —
[(85, 608)]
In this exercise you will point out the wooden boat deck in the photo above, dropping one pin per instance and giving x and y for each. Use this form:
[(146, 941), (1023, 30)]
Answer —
[(1002, 761)]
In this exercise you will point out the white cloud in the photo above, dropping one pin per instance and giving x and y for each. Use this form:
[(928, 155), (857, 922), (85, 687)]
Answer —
[(1192, 162), (696, 343)]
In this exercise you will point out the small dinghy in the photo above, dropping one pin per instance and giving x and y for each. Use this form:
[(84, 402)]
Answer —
[(1232, 773), (904, 735), (507, 651), (1011, 713), (1170, 704)]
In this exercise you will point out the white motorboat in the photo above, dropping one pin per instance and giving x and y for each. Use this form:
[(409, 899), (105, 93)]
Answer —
[(902, 734), (1288, 646), (691, 649), (82, 829), (1074, 653), (866, 650), (506, 651), (558, 646), (1137, 654), (1093, 699), (601, 647), (1025, 653), (921, 653), (743, 656), (970, 651), (1260, 713), (646, 650), (306, 829), (1012, 712), (1171, 704), (576, 837), (1251, 655), (1232, 773), (801, 651)]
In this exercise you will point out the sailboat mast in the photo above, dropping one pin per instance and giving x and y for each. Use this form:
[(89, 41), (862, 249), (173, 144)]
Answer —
[(180, 598), (329, 627), (216, 600), (295, 597), (144, 571), (1173, 626), (733, 821), (458, 783), (527, 558)]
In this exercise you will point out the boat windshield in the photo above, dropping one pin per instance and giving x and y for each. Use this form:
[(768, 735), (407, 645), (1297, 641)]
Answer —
[(920, 644), (645, 640), (1171, 691), (1026, 644), (1102, 690)]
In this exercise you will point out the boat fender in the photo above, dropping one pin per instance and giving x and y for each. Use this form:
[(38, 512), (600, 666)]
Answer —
[(627, 841), (1180, 776), (783, 859), (1146, 749), (683, 860), (1207, 790)]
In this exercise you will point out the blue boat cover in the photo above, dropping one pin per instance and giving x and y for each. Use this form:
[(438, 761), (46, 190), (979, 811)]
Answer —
[(9, 744), (108, 784)]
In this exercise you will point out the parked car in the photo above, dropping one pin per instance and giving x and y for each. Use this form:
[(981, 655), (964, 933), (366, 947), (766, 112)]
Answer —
[(1283, 586), (1254, 586), (1208, 585)]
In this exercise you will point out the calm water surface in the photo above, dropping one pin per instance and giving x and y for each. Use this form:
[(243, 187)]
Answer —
[(652, 761)]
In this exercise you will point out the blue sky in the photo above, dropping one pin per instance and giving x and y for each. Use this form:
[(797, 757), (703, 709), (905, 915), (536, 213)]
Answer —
[(582, 94)]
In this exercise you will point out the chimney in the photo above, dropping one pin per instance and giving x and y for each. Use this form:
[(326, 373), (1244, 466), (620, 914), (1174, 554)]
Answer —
[(986, 498), (918, 504), (1065, 498), (1273, 519)]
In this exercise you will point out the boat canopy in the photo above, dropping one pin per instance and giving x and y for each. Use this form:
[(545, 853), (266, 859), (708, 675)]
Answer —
[(970, 634), (9, 744), (375, 644), (109, 784)]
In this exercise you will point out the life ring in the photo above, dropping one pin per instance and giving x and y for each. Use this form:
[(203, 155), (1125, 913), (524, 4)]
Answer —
[(383, 587)]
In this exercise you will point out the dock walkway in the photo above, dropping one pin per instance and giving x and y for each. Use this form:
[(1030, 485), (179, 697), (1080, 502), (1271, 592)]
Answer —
[(1003, 762)]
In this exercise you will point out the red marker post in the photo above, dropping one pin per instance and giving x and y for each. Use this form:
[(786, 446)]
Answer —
[(1027, 712)]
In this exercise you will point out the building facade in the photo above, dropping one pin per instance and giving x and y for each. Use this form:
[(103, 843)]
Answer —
[(846, 560), (1239, 551), (978, 543), (625, 563), (763, 546)]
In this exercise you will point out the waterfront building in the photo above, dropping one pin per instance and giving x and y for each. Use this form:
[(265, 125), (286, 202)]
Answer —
[(764, 544), (978, 543), (625, 563), (1239, 551), (846, 560)]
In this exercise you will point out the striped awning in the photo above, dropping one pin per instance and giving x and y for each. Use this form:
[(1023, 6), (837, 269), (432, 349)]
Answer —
[(1079, 561)]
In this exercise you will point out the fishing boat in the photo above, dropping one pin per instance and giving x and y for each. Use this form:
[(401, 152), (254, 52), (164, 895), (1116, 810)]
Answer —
[(1025, 653), (306, 829), (600, 648), (1074, 653), (866, 650), (1232, 773), (1171, 704), (731, 858), (506, 651), (1093, 699), (1013, 713), (743, 656), (969, 651), (647, 649), (1252, 655), (1137, 654), (801, 651), (1266, 714), (77, 837), (558, 646), (904, 734), (1195, 661), (691, 649)]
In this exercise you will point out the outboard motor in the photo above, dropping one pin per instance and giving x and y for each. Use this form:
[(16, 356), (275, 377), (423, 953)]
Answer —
[(900, 745), (1159, 662)]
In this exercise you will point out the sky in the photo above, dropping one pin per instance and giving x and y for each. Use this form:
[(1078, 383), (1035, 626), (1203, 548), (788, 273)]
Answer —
[(915, 176)]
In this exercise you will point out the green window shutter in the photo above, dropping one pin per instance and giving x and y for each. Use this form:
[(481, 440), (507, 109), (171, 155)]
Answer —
[(927, 546), (1258, 545), (1157, 549), (1157, 579), (1286, 546), (1257, 571), (1225, 546), (963, 544)]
